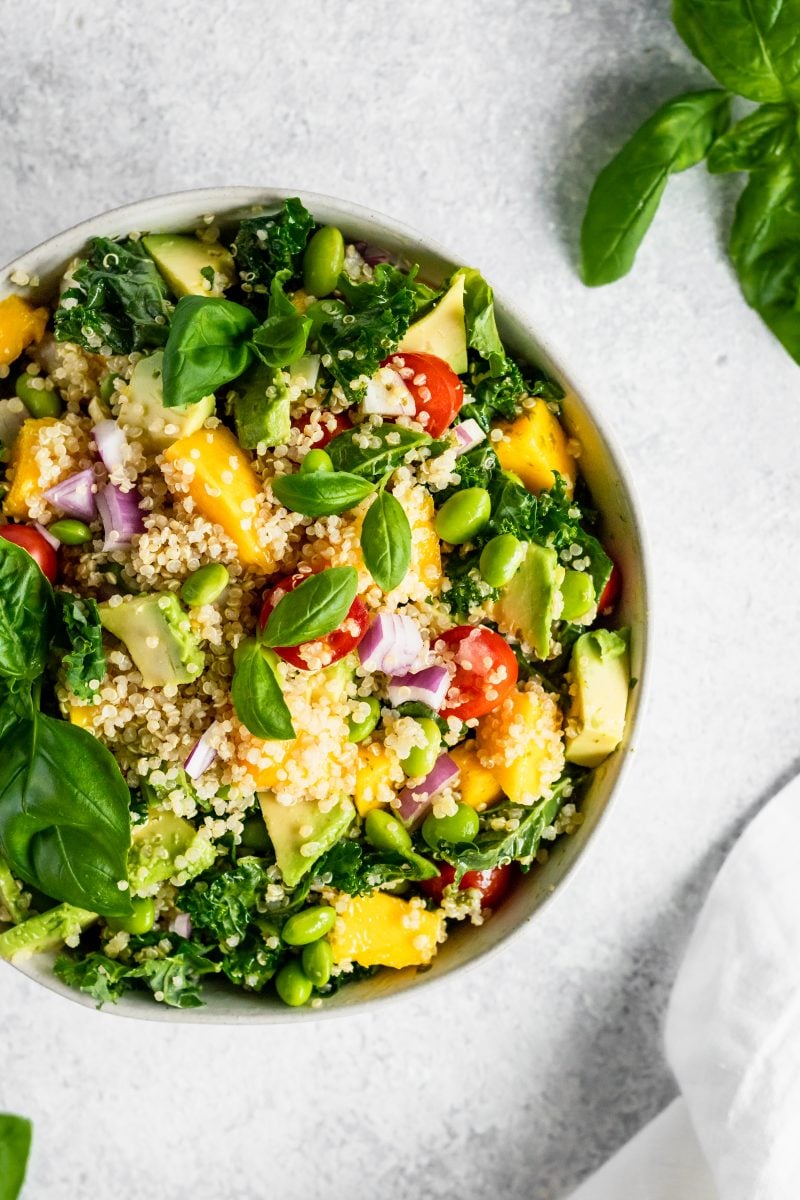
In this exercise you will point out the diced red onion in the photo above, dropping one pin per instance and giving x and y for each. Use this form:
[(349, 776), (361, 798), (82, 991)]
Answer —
[(75, 495), (468, 435), (416, 801), (387, 395), (374, 254), (202, 754), (428, 686), (182, 925), (112, 445), (120, 515), (392, 643), (47, 535)]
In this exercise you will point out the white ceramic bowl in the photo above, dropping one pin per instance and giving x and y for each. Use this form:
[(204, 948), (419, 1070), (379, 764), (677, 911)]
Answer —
[(602, 465)]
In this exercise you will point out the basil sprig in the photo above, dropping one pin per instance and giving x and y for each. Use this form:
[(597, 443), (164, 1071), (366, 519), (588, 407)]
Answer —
[(15, 1146), (315, 608), (257, 696), (387, 448), (321, 493), (386, 541)]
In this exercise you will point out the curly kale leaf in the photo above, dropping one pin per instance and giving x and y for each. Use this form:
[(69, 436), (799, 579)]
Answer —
[(225, 904), (349, 869), (268, 244), (103, 978), (117, 299), (167, 965), (252, 963), (81, 634)]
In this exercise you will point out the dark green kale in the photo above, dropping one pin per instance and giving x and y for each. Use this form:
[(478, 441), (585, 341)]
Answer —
[(225, 905), (80, 635), (103, 978), (166, 964), (268, 244), (252, 964), (117, 299), (467, 591), (348, 868)]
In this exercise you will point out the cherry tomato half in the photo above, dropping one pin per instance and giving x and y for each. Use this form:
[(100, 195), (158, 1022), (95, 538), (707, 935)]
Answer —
[(342, 422), (611, 592), (493, 884), (37, 546), (433, 383), (333, 646), (486, 671)]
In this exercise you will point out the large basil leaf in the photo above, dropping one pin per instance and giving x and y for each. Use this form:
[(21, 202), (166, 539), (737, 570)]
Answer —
[(26, 601), (387, 447), (386, 541), (321, 493), (207, 347), (81, 635), (315, 608), (750, 46), (765, 249), (758, 140), (627, 192), (282, 338), (64, 814), (257, 696), (15, 1146)]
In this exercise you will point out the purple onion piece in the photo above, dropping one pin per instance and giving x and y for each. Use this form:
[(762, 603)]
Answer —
[(415, 802), (182, 925), (392, 643), (428, 686), (112, 445), (75, 495), (201, 755), (375, 254), (120, 515), (468, 434), (47, 535)]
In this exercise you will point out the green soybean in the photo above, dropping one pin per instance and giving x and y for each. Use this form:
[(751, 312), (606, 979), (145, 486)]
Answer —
[(309, 925), (463, 516), (317, 960), (501, 558), (577, 593), (293, 985), (38, 401), (316, 460), (462, 826), (70, 532), (362, 729), (420, 760), (141, 920), (323, 261), (385, 832), (205, 585), (254, 833)]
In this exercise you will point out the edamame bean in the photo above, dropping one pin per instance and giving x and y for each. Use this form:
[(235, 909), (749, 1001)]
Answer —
[(577, 592), (501, 558), (254, 834), (205, 585), (38, 401), (293, 985), (385, 832), (462, 826), (107, 389), (317, 960), (316, 460), (362, 729), (420, 760), (141, 920), (463, 516), (309, 925), (323, 261), (70, 532), (322, 311)]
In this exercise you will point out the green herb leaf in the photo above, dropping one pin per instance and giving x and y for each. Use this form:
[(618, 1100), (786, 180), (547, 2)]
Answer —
[(482, 333), (315, 608), (104, 979), (268, 244), (257, 696), (81, 634), (252, 964), (225, 904), (386, 541), (15, 1146), (387, 448), (167, 965), (321, 493), (348, 868), (26, 602), (752, 48), (627, 192), (758, 140), (281, 340), (207, 347)]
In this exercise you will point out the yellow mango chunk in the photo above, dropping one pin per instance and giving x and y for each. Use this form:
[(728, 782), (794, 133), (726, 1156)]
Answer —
[(533, 447), (385, 931), (20, 324), (373, 789), (521, 744), (83, 715), (24, 470), (479, 788), (224, 487)]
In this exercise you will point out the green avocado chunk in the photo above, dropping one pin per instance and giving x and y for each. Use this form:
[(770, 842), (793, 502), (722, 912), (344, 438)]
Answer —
[(301, 833), (261, 407), (600, 684), (442, 331), (166, 845), (45, 931), (527, 606), (144, 416), (158, 637), (191, 267)]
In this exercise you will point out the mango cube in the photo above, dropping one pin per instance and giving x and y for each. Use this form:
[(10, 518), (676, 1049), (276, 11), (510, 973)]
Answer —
[(385, 931)]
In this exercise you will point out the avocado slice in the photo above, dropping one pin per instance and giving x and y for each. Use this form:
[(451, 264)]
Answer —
[(164, 846), (45, 931), (191, 267), (527, 607), (600, 683), (142, 408), (158, 637), (284, 825), (443, 330), (261, 408)]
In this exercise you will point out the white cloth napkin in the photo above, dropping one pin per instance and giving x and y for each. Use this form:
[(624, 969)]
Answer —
[(732, 1038)]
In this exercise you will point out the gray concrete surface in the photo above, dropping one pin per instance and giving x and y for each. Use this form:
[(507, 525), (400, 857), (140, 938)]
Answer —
[(482, 124)]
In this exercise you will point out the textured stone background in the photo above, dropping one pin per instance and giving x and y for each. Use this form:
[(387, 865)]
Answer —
[(481, 123)]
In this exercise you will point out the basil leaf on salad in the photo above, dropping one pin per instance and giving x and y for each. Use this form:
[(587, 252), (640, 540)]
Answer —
[(282, 338), (315, 608), (207, 347), (751, 48), (321, 493), (386, 448), (482, 335), (386, 541), (16, 1134), (257, 696), (758, 140), (26, 602), (81, 636)]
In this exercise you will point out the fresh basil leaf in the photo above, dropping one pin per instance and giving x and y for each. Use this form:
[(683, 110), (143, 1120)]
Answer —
[(315, 608), (280, 341), (207, 347), (758, 140), (26, 602), (81, 635), (15, 1145), (482, 333), (261, 407), (752, 48), (257, 696), (268, 244), (765, 249), (116, 299), (387, 447), (386, 541), (627, 192), (321, 493)]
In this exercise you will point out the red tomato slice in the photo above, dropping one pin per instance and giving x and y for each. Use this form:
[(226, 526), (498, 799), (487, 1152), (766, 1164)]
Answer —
[(342, 420), (486, 671), (611, 592), (333, 646), (493, 884), (437, 390), (37, 546)]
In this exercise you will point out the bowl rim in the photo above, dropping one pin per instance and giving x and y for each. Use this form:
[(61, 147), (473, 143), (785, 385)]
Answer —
[(220, 201)]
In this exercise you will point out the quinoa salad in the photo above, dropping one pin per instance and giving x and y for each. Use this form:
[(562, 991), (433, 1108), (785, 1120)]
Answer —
[(307, 636)]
